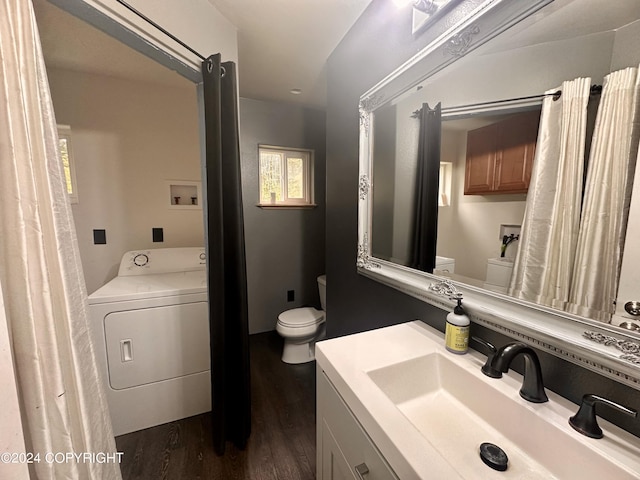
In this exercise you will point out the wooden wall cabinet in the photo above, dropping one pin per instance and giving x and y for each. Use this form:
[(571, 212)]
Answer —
[(500, 155)]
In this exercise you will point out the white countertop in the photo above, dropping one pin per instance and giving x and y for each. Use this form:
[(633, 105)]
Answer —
[(346, 361)]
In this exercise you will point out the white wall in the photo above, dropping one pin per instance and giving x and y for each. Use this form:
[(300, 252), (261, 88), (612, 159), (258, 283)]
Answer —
[(128, 138), (201, 26), (626, 48), (489, 76)]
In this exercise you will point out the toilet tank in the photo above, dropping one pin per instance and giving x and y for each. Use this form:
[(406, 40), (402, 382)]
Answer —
[(322, 288)]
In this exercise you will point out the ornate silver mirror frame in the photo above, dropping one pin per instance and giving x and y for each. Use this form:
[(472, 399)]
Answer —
[(593, 345)]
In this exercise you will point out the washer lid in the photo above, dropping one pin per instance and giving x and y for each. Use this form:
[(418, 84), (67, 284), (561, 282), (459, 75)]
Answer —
[(138, 287), (301, 317)]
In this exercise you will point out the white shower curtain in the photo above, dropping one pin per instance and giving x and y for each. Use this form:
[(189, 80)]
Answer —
[(544, 263), (606, 198), (63, 406)]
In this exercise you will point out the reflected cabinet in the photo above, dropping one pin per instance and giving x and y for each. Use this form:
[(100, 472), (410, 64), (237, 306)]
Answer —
[(500, 155)]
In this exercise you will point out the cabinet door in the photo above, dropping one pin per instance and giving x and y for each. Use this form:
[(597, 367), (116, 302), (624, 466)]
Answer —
[(343, 445), (334, 465), (516, 140), (481, 160)]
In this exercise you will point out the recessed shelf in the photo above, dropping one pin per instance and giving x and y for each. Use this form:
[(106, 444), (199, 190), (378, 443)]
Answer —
[(184, 194)]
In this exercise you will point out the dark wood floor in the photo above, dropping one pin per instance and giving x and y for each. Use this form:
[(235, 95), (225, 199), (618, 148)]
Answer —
[(282, 442)]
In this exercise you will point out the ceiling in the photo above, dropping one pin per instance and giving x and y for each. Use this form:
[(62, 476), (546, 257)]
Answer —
[(282, 45), (564, 19), (71, 44)]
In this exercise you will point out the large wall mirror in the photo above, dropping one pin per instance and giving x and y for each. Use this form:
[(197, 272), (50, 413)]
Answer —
[(489, 73)]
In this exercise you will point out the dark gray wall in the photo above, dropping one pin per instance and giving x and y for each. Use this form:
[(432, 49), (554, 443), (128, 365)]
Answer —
[(378, 43), (285, 248)]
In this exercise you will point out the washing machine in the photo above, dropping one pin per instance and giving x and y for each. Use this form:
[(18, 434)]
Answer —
[(150, 326)]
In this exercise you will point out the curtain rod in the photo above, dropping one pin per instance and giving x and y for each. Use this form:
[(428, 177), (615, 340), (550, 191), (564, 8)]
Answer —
[(154, 24), (595, 90)]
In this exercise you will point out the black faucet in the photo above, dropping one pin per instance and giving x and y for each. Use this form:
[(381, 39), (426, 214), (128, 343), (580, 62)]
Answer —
[(585, 420), (506, 240), (488, 369), (532, 386)]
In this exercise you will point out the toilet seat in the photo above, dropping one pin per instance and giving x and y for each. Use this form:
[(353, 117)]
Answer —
[(301, 317)]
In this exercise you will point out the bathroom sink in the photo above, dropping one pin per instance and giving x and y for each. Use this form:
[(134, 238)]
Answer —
[(456, 409), (428, 411)]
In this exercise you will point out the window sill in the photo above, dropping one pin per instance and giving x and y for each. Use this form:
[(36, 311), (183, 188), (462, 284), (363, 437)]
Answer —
[(270, 206)]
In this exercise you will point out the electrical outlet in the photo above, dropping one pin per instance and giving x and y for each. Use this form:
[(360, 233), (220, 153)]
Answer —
[(99, 237), (157, 234), (291, 295)]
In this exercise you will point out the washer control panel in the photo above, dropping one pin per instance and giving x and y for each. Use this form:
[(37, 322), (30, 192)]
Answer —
[(162, 260)]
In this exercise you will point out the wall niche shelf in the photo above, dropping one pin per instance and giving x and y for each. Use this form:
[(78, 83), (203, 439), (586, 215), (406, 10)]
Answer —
[(184, 195)]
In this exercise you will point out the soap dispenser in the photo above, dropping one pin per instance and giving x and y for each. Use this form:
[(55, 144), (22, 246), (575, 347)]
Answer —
[(457, 329)]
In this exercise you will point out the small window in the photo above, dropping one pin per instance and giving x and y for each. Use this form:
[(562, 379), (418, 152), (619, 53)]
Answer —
[(64, 144), (286, 177)]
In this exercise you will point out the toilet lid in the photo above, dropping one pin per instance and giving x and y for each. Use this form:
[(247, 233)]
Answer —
[(301, 317)]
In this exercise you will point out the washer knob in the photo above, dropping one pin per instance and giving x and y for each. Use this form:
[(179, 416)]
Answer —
[(140, 260)]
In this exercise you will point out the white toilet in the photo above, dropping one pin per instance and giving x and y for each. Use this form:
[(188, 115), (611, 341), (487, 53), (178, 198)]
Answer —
[(301, 328)]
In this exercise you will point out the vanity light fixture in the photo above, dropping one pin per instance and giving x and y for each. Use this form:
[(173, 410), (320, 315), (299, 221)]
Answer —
[(428, 7), (424, 11), (403, 3)]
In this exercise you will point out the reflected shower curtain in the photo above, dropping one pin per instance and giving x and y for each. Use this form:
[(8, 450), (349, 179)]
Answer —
[(607, 197), (423, 246), (543, 266), (226, 270), (63, 405)]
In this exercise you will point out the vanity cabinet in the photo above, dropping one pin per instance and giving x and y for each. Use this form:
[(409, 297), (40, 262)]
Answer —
[(345, 451), (500, 155)]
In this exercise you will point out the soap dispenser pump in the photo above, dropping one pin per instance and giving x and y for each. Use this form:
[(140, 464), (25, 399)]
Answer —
[(457, 329)]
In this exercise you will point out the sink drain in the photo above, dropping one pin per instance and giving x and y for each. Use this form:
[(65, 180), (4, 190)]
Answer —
[(494, 456)]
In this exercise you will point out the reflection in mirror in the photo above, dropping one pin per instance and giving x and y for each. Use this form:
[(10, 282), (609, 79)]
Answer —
[(394, 177), (419, 199), (480, 228), (481, 218)]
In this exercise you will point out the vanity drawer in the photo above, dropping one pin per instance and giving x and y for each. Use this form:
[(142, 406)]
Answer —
[(343, 446)]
